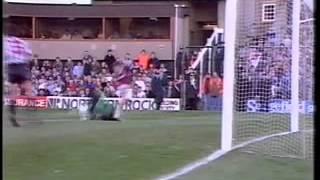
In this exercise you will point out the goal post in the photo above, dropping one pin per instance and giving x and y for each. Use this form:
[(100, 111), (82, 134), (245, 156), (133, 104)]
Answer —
[(228, 82), (265, 93), (295, 51)]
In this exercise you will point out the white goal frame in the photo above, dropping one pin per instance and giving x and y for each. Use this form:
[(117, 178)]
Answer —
[(228, 91), (229, 78)]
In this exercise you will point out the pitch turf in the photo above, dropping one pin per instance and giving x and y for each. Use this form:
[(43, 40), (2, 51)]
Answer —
[(238, 165), (144, 146)]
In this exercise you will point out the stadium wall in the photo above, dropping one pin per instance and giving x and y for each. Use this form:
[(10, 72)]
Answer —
[(50, 49)]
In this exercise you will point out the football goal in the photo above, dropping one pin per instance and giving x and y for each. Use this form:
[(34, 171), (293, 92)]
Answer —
[(268, 78)]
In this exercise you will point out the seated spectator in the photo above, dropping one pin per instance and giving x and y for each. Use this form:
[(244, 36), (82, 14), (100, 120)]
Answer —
[(87, 92), (51, 85), (139, 82), (144, 59), (66, 36), (146, 77), (78, 70), (104, 72), (100, 35), (42, 92), (72, 86), (70, 93), (82, 93), (81, 84), (88, 34), (109, 90), (104, 65), (42, 84), (114, 35), (90, 83), (139, 93), (76, 35), (108, 77)]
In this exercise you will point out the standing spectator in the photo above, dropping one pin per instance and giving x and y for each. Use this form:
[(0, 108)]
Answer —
[(46, 65), (173, 91), (128, 61), (219, 61), (163, 68), (191, 93), (136, 66), (243, 93), (154, 61), (148, 91), (78, 70), (212, 91), (69, 64), (109, 59), (35, 61), (87, 67), (144, 59), (157, 86), (87, 56), (96, 67), (58, 64)]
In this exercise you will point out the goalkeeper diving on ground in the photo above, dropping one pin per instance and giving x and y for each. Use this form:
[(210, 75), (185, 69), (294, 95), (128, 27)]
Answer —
[(99, 108)]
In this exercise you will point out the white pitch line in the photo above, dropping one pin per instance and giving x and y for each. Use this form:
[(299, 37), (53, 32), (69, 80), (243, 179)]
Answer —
[(307, 20), (191, 167), (215, 155), (54, 120)]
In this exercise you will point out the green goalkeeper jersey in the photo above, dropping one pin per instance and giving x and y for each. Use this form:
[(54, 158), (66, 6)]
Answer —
[(103, 108)]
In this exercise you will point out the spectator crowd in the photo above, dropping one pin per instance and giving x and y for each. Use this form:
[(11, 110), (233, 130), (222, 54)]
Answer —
[(75, 78)]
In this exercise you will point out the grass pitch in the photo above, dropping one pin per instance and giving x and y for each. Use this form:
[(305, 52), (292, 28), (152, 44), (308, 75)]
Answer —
[(144, 146)]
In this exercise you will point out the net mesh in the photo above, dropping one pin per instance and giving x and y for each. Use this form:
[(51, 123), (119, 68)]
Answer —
[(262, 94)]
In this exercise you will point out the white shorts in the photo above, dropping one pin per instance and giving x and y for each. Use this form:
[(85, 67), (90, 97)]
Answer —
[(124, 92)]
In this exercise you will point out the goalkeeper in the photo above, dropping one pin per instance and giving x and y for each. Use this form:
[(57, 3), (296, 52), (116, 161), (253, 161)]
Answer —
[(101, 109)]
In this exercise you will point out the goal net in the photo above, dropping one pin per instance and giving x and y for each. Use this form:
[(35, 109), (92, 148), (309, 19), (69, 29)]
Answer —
[(269, 46)]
